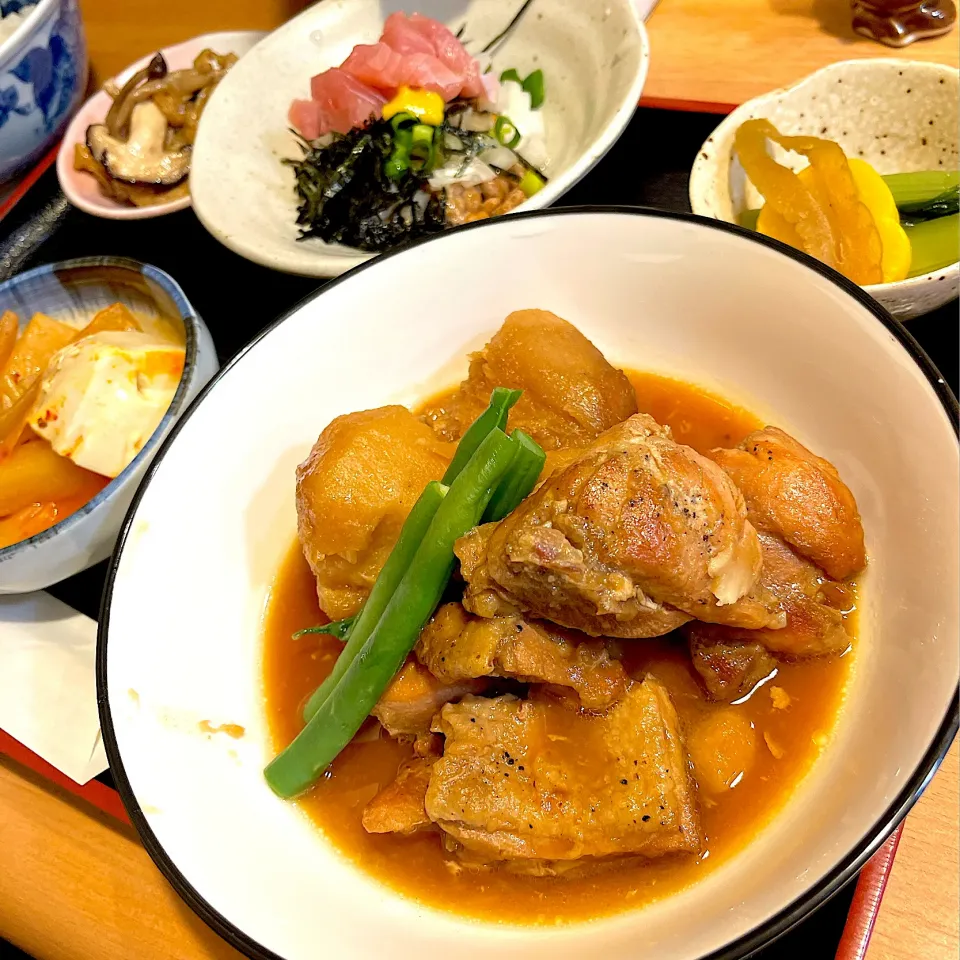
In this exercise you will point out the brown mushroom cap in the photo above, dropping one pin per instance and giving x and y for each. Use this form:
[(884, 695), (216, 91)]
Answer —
[(142, 157), (118, 116)]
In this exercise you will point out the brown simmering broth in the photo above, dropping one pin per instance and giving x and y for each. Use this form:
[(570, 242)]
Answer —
[(417, 867)]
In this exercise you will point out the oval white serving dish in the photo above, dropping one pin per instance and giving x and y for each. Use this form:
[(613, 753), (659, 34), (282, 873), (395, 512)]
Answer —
[(594, 58)]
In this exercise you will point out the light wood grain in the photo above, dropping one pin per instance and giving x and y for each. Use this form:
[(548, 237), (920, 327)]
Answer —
[(919, 912), (120, 32), (708, 54), (76, 885), (722, 52)]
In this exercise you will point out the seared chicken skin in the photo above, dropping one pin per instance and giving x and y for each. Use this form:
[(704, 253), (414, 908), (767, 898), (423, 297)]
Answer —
[(812, 534), (799, 497), (634, 538), (571, 393), (538, 784)]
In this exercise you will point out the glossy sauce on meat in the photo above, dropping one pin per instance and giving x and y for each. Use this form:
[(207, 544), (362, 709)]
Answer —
[(791, 715)]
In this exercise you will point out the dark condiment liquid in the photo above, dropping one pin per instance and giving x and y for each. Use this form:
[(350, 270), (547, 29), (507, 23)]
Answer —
[(896, 24)]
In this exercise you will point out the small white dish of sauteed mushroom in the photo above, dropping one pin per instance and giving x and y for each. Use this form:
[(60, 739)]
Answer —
[(126, 154)]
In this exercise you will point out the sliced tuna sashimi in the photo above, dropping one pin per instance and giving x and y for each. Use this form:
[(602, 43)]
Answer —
[(383, 67), (376, 64), (405, 37), (418, 33), (425, 70), (342, 103), (305, 116), (414, 51), (446, 47)]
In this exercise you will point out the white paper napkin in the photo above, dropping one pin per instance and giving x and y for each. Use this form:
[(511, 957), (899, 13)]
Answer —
[(48, 690)]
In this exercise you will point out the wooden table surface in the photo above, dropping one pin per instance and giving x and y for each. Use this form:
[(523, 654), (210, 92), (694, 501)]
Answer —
[(705, 54), (75, 884), (714, 54)]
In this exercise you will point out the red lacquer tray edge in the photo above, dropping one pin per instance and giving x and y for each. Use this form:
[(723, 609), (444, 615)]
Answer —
[(19, 188), (866, 900), (99, 794)]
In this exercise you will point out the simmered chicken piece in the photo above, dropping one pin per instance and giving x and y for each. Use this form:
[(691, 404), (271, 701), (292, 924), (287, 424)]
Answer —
[(729, 669), (414, 696), (528, 780), (799, 497), (729, 658), (633, 539), (354, 491), (571, 393), (456, 646), (398, 807)]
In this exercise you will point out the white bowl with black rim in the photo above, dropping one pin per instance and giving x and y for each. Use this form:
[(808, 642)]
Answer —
[(670, 293), (73, 291)]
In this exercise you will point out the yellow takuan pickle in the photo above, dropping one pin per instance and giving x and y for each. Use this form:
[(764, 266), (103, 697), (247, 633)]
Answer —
[(831, 221), (897, 253)]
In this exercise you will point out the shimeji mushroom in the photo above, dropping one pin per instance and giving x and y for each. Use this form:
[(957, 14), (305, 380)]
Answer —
[(142, 157)]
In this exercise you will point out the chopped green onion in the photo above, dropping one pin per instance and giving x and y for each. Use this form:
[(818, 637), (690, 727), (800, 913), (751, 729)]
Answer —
[(534, 86), (399, 161), (421, 147), (510, 74), (337, 628), (421, 133), (531, 182), (402, 121), (506, 132), (397, 165)]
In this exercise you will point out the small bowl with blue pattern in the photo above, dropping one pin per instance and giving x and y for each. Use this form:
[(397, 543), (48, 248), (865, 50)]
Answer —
[(72, 292), (43, 77)]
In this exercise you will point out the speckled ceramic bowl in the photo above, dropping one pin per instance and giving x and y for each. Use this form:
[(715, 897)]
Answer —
[(898, 115), (73, 291), (594, 59)]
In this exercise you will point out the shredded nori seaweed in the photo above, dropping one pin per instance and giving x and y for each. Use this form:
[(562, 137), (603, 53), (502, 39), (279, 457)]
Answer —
[(345, 196)]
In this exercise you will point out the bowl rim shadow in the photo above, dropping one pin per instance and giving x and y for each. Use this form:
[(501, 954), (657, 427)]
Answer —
[(190, 319), (760, 936)]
